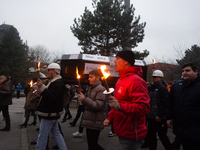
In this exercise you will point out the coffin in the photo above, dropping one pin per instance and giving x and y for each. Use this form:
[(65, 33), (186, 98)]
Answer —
[(87, 62)]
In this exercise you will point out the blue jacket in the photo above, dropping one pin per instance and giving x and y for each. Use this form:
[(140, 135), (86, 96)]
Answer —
[(18, 87), (183, 106)]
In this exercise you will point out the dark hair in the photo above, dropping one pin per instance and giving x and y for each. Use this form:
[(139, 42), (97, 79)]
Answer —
[(194, 68), (96, 72)]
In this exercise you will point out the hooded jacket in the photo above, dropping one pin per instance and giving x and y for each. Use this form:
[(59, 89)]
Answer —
[(50, 106), (132, 93), (183, 107), (95, 107)]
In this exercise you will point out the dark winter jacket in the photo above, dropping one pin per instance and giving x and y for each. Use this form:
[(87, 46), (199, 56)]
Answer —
[(51, 103), (158, 95), (95, 107), (132, 93), (183, 106), (5, 93)]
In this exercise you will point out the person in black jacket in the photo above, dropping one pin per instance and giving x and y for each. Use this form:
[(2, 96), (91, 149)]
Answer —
[(50, 108), (183, 108), (5, 100), (156, 117)]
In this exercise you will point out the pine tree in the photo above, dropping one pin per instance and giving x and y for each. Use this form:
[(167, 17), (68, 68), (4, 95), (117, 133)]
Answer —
[(108, 29), (13, 55)]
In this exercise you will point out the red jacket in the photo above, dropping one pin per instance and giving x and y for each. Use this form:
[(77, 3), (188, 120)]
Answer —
[(132, 93)]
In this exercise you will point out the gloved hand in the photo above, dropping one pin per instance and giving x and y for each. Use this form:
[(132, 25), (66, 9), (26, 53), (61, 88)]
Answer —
[(113, 103)]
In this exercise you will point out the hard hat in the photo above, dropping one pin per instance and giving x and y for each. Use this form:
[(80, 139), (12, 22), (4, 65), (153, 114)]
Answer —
[(158, 73), (54, 66)]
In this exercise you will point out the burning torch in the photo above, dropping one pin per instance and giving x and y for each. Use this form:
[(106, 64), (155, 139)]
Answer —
[(105, 76), (153, 63), (38, 68), (31, 85), (78, 78)]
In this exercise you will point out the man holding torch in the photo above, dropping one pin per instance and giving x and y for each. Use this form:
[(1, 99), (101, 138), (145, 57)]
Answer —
[(95, 110), (50, 107), (130, 103)]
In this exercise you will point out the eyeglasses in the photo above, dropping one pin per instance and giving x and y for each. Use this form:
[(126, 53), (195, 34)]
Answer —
[(50, 69)]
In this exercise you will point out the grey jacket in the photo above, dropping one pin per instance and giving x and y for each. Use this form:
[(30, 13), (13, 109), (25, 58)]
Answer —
[(95, 107)]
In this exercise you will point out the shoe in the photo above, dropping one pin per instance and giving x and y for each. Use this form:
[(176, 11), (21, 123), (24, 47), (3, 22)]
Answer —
[(64, 120), (32, 124), (111, 134), (33, 142), (77, 134), (144, 145), (38, 129), (72, 124), (55, 147), (5, 129), (23, 125), (69, 117)]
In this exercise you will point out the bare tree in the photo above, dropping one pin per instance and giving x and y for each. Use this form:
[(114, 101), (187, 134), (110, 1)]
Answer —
[(40, 53)]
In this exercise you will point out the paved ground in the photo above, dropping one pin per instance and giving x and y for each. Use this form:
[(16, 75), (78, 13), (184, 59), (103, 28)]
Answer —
[(19, 139)]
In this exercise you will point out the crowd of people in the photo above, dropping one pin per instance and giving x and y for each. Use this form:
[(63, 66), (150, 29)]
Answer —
[(138, 112)]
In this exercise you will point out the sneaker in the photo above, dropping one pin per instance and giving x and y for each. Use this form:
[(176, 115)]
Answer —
[(34, 142), (64, 120), (77, 134), (24, 125), (111, 134), (55, 147), (72, 124), (32, 124), (5, 129)]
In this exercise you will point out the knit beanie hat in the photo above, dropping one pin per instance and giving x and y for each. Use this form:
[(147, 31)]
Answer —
[(127, 55)]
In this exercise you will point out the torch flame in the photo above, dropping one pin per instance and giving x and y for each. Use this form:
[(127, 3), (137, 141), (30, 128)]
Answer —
[(31, 83), (153, 61), (105, 74), (77, 75), (38, 66)]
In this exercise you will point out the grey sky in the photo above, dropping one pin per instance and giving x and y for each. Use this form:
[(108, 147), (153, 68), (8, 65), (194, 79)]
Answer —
[(171, 24)]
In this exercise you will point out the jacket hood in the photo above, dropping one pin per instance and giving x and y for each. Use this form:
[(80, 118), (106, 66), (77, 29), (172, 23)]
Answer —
[(130, 70)]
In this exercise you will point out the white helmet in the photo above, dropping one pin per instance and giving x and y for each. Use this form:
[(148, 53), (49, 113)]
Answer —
[(157, 73), (54, 66)]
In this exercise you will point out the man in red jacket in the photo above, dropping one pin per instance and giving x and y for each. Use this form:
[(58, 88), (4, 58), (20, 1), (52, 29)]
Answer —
[(130, 103)]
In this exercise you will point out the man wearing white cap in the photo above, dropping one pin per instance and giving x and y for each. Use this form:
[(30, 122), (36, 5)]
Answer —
[(50, 108), (156, 117)]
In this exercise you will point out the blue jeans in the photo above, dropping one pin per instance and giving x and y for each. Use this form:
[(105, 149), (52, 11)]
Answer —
[(126, 144), (47, 126)]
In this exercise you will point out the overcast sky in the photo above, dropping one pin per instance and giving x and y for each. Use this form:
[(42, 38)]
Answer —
[(170, 24)]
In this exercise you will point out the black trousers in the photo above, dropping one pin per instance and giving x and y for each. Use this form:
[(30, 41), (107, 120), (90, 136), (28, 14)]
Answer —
[(161, 128), (28, 112), (78, 114), (67, 112), (92, 139), (6, 115), (18, 94), (189, 144)]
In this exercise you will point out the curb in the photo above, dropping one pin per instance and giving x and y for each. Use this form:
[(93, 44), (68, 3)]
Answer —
[(24, 137)]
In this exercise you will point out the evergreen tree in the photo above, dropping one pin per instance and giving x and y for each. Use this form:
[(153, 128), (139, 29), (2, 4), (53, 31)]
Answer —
[(13, 55), (191, 55), (108, 29)]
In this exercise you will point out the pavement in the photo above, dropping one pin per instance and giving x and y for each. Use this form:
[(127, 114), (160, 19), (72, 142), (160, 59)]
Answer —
[(20, 139)]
